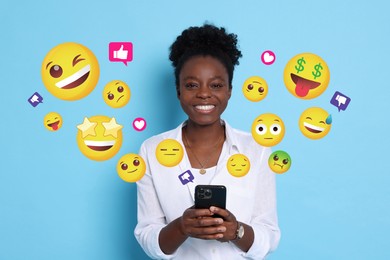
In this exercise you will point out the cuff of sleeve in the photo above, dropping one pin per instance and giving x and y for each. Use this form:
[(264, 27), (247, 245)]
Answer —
[(159, 253)]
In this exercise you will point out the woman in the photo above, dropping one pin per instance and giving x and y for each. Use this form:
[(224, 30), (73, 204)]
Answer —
[(169, 227)]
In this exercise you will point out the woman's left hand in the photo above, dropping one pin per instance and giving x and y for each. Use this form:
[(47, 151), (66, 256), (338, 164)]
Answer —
[(229, 221)]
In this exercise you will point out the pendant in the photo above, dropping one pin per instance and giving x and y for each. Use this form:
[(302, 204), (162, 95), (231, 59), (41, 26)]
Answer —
[(202, 171)]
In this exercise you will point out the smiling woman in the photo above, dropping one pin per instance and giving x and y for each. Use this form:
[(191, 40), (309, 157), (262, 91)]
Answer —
[(169, 226), (70, 71)]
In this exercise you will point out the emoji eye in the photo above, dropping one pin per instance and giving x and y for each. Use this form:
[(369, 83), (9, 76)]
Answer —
[(110, 96), (276, 157), (261, 129), (275, 129), (250, 86), (261, 89), (136, 162), (285, 161), (124, 166), (120, 89), (56, 71)]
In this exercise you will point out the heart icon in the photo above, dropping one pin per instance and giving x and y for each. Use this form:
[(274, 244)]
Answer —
[(268, 57), (139, 124)]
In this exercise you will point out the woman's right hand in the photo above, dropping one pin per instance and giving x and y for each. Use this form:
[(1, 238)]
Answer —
[(199, 223)]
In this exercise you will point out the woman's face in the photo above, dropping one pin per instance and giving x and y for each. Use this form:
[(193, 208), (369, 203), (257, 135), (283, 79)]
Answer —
[(204, 89)]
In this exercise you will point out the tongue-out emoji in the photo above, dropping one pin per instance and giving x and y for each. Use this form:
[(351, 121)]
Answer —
[(52, 121), (306, 76)]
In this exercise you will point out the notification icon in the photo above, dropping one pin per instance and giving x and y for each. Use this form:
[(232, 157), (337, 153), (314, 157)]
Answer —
[(120, 52)]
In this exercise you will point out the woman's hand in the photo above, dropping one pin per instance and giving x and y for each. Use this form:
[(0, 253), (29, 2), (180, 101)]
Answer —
[(199, 223), (229, 222)]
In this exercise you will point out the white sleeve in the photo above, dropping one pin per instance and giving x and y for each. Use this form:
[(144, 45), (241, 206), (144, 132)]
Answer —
[(264, 219), (151, 218)]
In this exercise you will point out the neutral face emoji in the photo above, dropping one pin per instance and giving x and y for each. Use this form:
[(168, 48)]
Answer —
[(306, 76), (70, 71), (268, 129), (52, 121), (131, 167), (238, 165), (116, 94), (255, 88), (99, 137), (279, 162), (169, 152), (315, 123)]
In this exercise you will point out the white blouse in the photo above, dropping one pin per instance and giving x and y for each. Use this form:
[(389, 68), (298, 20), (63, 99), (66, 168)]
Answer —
[(252, 199)]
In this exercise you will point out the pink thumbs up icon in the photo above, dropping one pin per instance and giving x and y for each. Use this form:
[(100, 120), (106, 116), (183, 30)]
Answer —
[(120, 52)]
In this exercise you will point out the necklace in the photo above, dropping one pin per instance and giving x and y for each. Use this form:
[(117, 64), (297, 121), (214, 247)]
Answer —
[(202, 169)]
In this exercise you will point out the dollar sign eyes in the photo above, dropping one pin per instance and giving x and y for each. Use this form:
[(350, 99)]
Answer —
[(261, 89), (110, 96), (124, 166), (250, 86), (285, 161), (276, 157)]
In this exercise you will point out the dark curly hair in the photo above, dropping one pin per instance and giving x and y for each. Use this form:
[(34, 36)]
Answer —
[(207, 40)]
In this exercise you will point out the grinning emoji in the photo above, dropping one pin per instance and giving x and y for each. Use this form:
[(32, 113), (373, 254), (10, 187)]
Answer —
[(315, 123), (70, 71), (306, 76), (52, 121), (99, 137)]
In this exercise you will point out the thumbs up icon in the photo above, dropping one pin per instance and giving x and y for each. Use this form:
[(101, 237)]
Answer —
[(120, 52)]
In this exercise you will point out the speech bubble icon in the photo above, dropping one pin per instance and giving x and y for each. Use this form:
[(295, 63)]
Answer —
[(120, 52), (35, 99), (340, 101), (186, 177)]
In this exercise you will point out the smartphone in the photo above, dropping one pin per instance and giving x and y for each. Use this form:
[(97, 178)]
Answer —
[(210, 195)]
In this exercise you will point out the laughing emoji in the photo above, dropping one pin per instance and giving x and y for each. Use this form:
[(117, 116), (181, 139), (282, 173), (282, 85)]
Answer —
[(315, 123), (99, 137), (52, 121), (306, 76), (70, 71)]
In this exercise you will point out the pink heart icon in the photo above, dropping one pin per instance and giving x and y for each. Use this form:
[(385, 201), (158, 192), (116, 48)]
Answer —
[(139, 124), (268, 57)]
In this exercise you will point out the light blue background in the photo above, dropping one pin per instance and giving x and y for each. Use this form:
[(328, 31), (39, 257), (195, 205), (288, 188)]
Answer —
[(57, 204)]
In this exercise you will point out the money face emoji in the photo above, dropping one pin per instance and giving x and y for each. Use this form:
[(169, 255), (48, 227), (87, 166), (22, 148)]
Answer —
[(306, 76)]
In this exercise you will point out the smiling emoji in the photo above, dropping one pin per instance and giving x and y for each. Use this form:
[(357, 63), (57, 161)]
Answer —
[(268, 129), (238, 165), (99, 137), (315, 123), (131, 167), (52, 121), (169, 152), (116, 94), (70, 71), (255, 88), (306, 76)]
